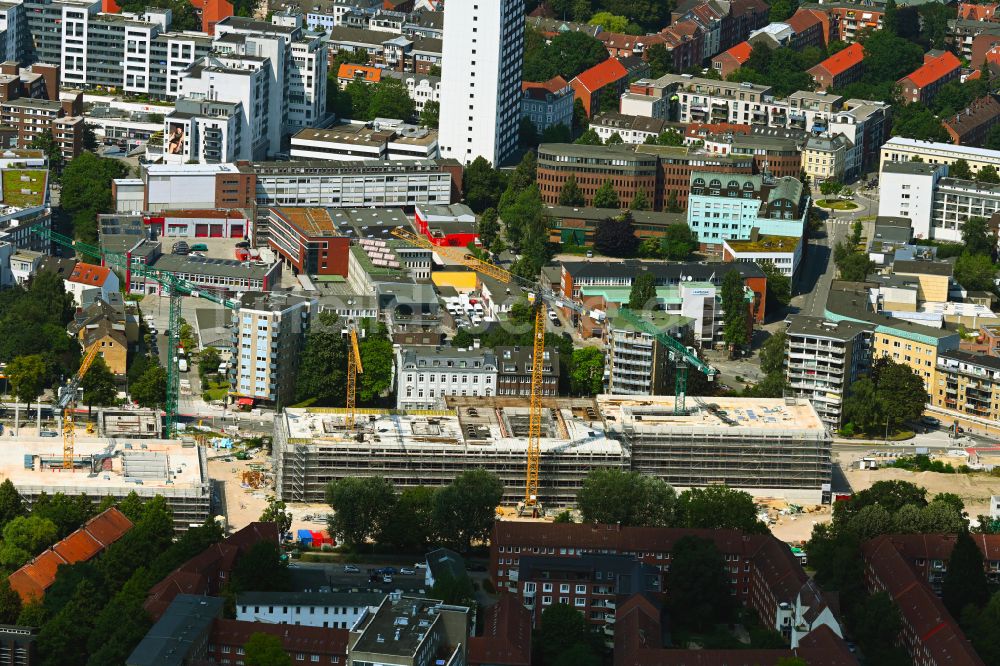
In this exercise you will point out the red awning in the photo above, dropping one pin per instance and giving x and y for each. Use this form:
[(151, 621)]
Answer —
[(245, 402)]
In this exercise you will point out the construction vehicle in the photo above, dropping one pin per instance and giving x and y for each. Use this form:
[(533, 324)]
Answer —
[(354, 369), (172, 285), (67, 405)]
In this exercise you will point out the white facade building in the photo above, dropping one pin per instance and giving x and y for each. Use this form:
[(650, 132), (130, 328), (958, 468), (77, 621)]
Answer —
[(333, 610), (482, 59), (422, 88), (427, 374), (11, 29), (907, 190)]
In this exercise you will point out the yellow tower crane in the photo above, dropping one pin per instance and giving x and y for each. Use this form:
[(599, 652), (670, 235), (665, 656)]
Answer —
[(542, 297), (354, 369), (67, 403)]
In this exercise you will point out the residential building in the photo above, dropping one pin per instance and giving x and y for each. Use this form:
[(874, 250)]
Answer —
[(24, 204), (590, 583), (662, 173), (331, 14), (426, 376), (963, 35), (967, 386), (717, 212), (89, 282), (205, 132), (308, 240), (971, 125), (764, 574), (23, 265), (181, 635), (729, 61), (923, 84), (783, 451), (900, 149), (423, 88), (443, 563), (506, 638), (415, 448), (906, 190), (548, 103), (349, 72), (434, 631), (514, 366), (269, 333), (825, 157), (810, 28), (848, 19), (376, 141), (776, 152), (631, 129), (32, 580), (724, 26), (399, 53), (929, 634), (112, 343), (823, 358), (32, 116), (336, 610), (483, 44), (600, 86), (842, 68), (637, 363)]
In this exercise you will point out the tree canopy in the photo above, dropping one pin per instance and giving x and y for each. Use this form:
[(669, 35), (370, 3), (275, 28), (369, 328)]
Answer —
[(615, 236), (617, 497), (566, 55)]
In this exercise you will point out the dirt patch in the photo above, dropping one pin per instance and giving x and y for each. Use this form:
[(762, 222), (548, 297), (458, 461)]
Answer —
[(974, 489), (243, 505)]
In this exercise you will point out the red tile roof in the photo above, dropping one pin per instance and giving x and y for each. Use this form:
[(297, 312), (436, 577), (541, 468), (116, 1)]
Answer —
[(741, 52), (699, 130), (110, 7), (295, 639), (369, 74), (970, 12), (602, 74), (553, 85), (212, 11), (802, 20), (89, 274), (31, 580), (506, 638), (843, 60), (933, 69)]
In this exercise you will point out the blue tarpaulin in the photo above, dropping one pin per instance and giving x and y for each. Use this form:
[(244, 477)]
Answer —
[(305, 536)]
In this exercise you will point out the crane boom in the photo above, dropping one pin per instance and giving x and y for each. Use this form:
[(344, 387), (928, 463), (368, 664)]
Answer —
[(455, 254), (354, 369), (67, 401)]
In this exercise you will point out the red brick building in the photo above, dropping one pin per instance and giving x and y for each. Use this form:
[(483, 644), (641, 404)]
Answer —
[(308, 240), (840, 69), (971, 125), (308, 645), (605, 78), (506, 637), (729, 61), (849, 20), (908, 567), (32, 116), (970, 12), (812, 28), (939, 68)]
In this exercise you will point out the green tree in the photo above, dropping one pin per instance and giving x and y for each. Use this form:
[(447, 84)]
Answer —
[(322, 373), (940, 517), (989, 175), (464, 510), (86, 191), (610, 22), (984, 630), (567, 54), (874, 619), (772, 354), (975, 272), (670, 137), (606, 197), (11, 504), (854, 266), (960, 169), (589, 137), (275, 513), (10, 603), (457, 590), (718, 507), (965, 581), (615, 236), (361, 506), (31, 534), (698, 584), (410, 527), (679, 241), (430, 115), (639, 201), (265, 650), (618, 497), (570, 194), (46, 142), (779, 286), (151, 388), (99, 387), (993, 138), (482, 185), (562, 629), (588, 371), (68, 512), (614, 140), (916, 121), (661, 61), (376, 359), (978, 238), (527, 133), (262, 569), (643, 293), (558, 133), (782, 9), (488, 227), (28, 376), (390, 99), (736, 322)]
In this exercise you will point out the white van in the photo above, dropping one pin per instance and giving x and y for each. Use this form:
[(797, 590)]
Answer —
[(182, 364)]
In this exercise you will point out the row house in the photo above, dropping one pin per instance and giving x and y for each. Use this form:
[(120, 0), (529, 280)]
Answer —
[(399, 52), (514, 369), (726, 24), (732, 59), (763, 572), (840, 69), (811, 27), (906, 567), (848, 20), (962, 35), (923, 84), (971, 125), (608, 79), (973, 12)]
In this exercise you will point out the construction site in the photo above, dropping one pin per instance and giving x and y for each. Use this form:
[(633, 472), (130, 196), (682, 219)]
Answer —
[(768, 447), (312, 447), (99, 467)]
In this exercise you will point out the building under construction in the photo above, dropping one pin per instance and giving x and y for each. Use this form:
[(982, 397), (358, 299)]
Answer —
[(103, 467), (769, 447), (312, 447)]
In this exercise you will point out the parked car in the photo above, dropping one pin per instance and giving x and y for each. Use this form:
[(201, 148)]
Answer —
[(49, 433), (930, 421), (407, 571), (180, 247), (350, 568), (199, 247), (419, 565), (244, 244), (387, 578)]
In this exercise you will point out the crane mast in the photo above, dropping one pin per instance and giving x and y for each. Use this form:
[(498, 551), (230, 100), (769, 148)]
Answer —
[(67, 403), (354, 369)]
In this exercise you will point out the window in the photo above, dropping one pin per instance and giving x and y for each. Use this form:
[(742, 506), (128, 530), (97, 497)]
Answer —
[(581, 589)]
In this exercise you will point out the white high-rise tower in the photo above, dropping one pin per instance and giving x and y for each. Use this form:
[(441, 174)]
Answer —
[(481, 79)]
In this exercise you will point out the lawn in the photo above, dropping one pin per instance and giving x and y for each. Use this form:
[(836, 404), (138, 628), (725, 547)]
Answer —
[(12, 186), (215, 391), (837, 204)]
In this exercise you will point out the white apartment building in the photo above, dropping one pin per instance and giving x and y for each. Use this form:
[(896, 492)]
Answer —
[(426, 375), (330, 14), (203, 131), (334, 610), (422, 88), (269, 332), (482, 59), (12, 28), (900, 149), (906, 189)]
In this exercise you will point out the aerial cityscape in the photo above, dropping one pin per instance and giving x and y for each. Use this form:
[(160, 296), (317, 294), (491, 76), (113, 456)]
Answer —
[(499, 333)]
